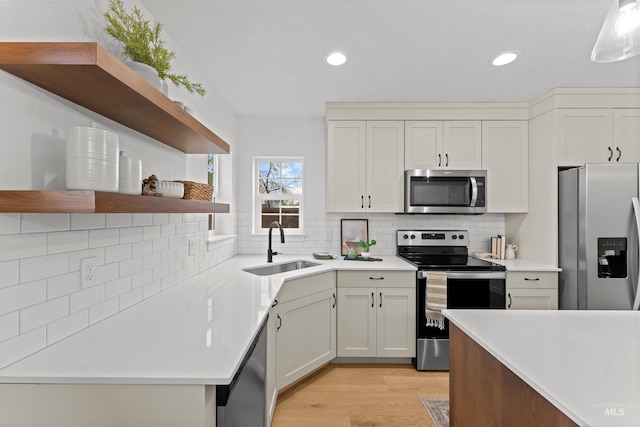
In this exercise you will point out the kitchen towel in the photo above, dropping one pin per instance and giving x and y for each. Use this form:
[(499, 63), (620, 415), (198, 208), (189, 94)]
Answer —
[(436, 298)]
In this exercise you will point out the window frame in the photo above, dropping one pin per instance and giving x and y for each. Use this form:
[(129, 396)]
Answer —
[(258, 198)]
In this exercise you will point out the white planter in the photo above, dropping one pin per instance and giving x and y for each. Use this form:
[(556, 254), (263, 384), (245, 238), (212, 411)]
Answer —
[(365, 255), (150, 74)]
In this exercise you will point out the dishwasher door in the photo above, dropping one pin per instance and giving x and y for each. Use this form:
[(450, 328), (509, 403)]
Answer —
[(242, 403)]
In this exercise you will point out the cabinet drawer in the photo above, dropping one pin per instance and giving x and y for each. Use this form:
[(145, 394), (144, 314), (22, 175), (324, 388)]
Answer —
[(376, 278), (532, 279), (308, 285)]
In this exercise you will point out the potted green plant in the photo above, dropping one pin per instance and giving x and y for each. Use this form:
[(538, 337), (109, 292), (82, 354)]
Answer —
[(142, 43), (365, 247)]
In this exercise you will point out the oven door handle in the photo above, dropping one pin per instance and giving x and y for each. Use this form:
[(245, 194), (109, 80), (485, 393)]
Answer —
[(471, 275)]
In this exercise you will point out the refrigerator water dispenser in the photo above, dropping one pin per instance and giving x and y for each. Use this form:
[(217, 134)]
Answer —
[(612, 257)]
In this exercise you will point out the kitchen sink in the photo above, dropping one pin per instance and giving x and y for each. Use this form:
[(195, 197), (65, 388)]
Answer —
[(267, 270)]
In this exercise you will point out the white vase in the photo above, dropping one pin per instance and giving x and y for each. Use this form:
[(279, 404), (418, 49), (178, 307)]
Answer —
[(148, 73), (365, 255)]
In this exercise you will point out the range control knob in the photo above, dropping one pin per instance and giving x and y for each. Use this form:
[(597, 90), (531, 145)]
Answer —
[(406, 236), (413, 236), (454, 237), (461, 237)]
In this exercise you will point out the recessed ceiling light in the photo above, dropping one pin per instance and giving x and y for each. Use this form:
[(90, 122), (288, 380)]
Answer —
[(505, 58), (336, 58)]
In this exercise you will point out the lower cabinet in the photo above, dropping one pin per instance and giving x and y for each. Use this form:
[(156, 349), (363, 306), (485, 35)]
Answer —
[(534, 290), (376, 321), (301, 334)]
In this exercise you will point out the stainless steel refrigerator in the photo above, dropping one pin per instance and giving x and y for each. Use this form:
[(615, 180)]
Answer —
[(599, 223)]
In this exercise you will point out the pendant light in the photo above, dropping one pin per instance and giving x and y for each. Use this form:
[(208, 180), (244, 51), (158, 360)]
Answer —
[(620, 34)]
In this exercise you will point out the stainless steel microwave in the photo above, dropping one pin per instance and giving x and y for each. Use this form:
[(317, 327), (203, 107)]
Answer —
[(443, 191)]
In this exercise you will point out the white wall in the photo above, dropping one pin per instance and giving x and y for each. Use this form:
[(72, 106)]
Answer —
[(138, 255), (306, 137)]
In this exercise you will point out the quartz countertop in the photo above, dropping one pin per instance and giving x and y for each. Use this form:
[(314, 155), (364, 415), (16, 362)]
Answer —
[(586, 363), (196, 332), (522, 265)]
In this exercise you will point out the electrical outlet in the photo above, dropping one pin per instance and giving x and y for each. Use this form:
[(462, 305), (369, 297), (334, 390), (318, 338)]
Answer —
[(88, 271), (193, 246)]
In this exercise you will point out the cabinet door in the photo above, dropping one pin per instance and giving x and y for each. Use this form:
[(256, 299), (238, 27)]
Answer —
[(270, 381), (532, 299), (423, 144), (306, 336), (584, 135), (505, 157), (357, 322), (385, 166), (462, 144), (396, 322), (626, 135), (346, 158)]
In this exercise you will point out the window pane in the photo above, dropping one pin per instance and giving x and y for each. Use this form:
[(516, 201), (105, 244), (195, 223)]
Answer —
[(292, 186), (291, 170), (290, 222)]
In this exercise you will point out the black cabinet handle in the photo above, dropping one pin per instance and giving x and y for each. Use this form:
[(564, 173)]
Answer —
[(376, 278), (535, 279), (380, 299), (275, 302), (619, 154), (279, 323), (334, 301), (362, 202), (439, 160), (372, 299), (447, 157), (509, 306), (369, 201), (610, 153)]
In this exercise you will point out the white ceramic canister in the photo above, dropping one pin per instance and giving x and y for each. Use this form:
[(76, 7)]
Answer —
[(91, 157), (130, 175)]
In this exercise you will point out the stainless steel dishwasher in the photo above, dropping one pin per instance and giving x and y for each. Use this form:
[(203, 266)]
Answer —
[(242, 403)]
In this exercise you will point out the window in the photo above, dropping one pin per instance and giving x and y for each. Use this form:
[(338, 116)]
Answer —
[(278, 193)]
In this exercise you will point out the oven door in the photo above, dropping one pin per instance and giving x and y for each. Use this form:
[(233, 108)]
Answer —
[(465, 290)]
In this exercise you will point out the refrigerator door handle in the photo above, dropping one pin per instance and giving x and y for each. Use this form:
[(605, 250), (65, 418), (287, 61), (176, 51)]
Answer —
[(636, 211)]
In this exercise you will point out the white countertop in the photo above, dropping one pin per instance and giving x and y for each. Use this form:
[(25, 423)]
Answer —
[(583, 362), (522, 265), (194, 333)]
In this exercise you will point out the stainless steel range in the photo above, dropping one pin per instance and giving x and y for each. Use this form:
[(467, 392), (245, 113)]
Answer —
[(471, 284)]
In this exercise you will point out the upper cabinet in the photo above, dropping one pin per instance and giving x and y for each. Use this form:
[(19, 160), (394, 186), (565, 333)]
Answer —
[(88, 75), (598, 135), (505, 157), (443, 144), (365, 166)]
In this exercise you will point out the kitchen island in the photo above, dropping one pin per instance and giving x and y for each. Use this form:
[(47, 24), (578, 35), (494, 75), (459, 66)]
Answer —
[(158, 362), (534, 368)]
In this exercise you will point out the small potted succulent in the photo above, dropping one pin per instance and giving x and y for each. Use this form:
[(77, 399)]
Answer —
[(365, 248), (142, 44)]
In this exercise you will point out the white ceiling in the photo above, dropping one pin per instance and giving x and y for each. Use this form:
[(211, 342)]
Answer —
[(266, 57)]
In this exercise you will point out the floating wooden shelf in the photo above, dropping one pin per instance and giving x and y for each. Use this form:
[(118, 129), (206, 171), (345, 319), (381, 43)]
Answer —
[(88, 75), (100, 202)]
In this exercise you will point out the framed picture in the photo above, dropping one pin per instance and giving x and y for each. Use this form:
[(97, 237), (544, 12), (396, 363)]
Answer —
[(351, 232)]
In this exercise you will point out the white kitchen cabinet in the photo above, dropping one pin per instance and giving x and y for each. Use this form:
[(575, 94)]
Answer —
[(532, 290), (505, 158), (376, 321), (432, 144), (598, 135), (271, 387), (305, 327), (365, 166)]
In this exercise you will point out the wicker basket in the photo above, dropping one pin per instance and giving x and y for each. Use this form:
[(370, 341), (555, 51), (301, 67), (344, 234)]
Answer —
[(197, 191)]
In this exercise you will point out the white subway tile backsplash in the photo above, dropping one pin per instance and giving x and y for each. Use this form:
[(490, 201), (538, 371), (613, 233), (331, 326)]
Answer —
[(160, 218), (22, 345), (131, 234), (20, 296), (142, 219), (168, 230), (117, 253), (63, 284), (176, 218), (67, 241), (160, 271), (141, 248), (103, 237), (9, 325), (117, 287), (130, 298), (103, 310), (108, 272), (87, 221), (151, 261), (182, 229), (118, 220), (67, 326), (160, 245), (130, 266), (40, 314), (9, 273), (17, 246), (76, 257), (38, 223), (142, 278), (152, 232), (42, 267), (151, 289), (9, 223), (86, 298)]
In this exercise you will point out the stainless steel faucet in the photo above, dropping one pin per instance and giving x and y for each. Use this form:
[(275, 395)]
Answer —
[(270, 253)]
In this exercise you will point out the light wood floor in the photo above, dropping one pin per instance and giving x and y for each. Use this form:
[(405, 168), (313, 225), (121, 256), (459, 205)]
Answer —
[(350, 395)]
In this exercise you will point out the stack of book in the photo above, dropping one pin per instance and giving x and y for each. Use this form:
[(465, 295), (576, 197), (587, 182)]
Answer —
[(498, 245)]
